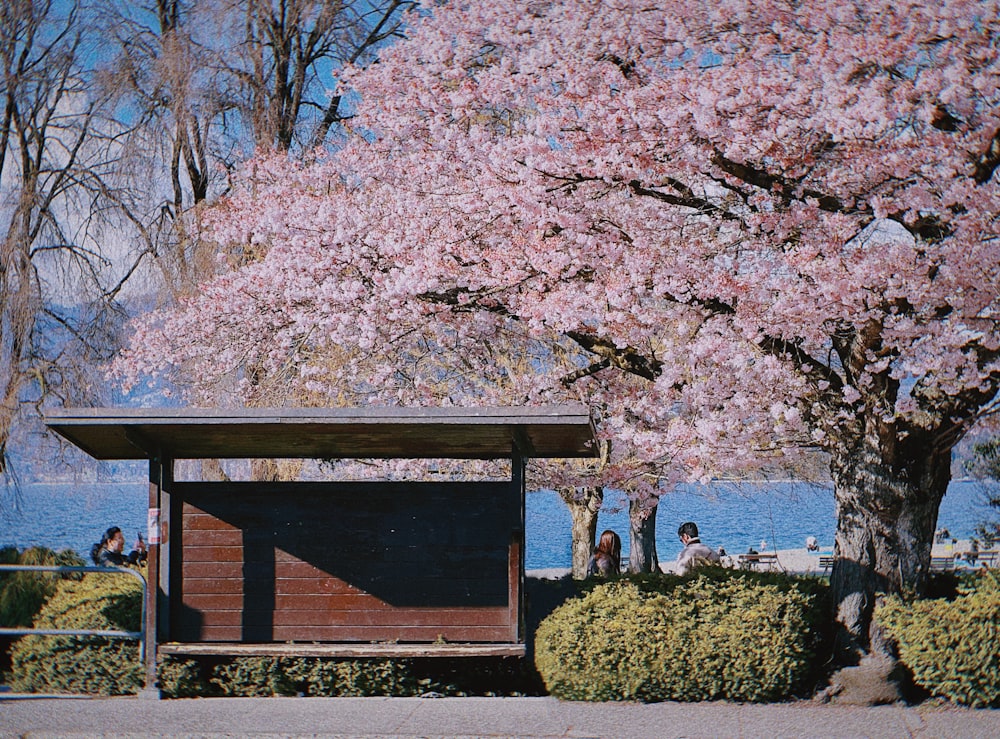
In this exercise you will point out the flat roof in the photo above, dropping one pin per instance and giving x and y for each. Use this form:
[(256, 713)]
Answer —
[(327, 433)]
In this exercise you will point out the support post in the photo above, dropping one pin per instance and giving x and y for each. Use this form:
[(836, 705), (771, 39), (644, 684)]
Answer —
[(518, 475), (160, 470)]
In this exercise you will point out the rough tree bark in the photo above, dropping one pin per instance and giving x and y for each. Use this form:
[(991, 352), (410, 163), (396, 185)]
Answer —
[(642, 537), (886, 515), (584, 505)]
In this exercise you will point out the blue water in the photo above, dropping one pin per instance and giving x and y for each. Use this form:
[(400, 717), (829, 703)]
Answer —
[(782, 514), (735, 517)]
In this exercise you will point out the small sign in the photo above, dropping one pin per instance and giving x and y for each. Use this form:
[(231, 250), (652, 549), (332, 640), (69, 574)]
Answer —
[(153, 525)]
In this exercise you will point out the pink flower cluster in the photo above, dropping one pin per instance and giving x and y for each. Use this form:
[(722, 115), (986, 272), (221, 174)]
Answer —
[(738, 230)]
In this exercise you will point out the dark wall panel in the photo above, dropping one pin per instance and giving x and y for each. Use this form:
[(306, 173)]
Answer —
[(267, 562)]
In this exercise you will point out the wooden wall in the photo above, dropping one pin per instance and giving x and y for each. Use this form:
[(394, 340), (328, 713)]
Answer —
[(346, 562)]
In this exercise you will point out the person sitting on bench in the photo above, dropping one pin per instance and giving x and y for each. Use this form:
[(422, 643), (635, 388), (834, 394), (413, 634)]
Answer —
[(694, 554)]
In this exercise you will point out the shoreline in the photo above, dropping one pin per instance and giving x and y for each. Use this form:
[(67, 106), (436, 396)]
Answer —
[(792, 561)]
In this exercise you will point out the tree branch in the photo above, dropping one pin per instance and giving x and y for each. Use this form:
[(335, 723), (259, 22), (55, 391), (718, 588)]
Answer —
[(817, 371), (591, 369), (767, 181), (988, 161), (627, 358), (377, 34), (686, 198)]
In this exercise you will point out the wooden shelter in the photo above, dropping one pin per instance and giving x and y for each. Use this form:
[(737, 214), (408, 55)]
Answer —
[(333, 568)]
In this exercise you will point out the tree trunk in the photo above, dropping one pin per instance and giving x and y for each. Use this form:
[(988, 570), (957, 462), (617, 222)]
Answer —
[(642, 536), (886, 516), (275, 470), (211, 470), (583, 504)]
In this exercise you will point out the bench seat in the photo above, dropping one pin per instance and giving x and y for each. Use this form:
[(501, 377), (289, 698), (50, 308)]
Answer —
[(752, 561), (345, 649)]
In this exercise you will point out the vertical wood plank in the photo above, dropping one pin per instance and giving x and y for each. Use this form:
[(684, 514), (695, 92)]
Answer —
[(175, 595), (164, 564)]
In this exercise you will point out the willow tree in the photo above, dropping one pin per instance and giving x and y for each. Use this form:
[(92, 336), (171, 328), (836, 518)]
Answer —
[(208, 82), (61, 197)]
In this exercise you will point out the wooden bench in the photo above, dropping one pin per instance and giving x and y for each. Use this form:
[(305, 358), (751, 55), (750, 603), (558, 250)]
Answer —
[(983, 557), (753, 561), (942, 564), (825, 563)]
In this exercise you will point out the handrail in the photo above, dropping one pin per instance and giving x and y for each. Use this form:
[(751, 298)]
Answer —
[(111, 633)]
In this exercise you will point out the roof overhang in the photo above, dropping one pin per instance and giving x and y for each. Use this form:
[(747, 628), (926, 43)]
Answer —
[(327, 433)]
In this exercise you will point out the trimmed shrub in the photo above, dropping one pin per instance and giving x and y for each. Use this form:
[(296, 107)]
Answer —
[(266, 676), (358, 677), (181, 678), (952, 647), (355, 677), (23, 593), (716, 635), (252, 677), (79, 664)]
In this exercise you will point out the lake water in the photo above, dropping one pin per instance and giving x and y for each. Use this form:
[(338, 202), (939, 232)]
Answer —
[(783, 514), (732, 516)]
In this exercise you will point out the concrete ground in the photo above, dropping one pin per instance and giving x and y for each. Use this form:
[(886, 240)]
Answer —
[(33, 716)]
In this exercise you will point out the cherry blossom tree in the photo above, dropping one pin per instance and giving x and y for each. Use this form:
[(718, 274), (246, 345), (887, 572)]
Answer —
[(742, 231), (208, 81)]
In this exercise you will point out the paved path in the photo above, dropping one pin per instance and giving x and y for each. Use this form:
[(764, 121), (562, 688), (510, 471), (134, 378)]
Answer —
[(475, 717)]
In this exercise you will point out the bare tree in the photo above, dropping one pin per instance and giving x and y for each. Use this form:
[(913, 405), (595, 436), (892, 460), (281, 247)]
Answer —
[(209, 82), (283, 58), (108, 150), (161, 77), (60, 195)]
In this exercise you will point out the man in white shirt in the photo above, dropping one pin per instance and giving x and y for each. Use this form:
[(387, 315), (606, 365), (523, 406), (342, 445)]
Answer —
[(694, 552)]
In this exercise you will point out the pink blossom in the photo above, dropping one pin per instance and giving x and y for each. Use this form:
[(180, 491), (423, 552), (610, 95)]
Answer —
[(695, 195)]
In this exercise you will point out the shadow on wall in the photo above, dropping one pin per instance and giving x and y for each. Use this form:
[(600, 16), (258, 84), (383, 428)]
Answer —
[(541, 597)]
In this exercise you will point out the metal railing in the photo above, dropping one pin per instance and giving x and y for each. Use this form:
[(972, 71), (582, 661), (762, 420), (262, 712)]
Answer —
[(111, 633)]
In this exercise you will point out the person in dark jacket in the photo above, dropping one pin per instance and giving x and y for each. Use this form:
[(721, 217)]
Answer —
[(109, 551)]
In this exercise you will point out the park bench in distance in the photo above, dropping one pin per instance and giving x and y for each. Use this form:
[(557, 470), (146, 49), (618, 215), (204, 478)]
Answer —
[(943, 564), (754, 561), (987, 558)]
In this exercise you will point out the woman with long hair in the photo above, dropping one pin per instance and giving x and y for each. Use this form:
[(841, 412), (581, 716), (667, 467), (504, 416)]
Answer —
[(607, 555)]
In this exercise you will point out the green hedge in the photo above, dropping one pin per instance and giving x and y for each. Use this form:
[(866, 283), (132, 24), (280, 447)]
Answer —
[(320, 676), (740, 636), (23, 593), (718, 635), (77, 664), (313, 676), (952, 647), (182, 678), (96, 665)]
